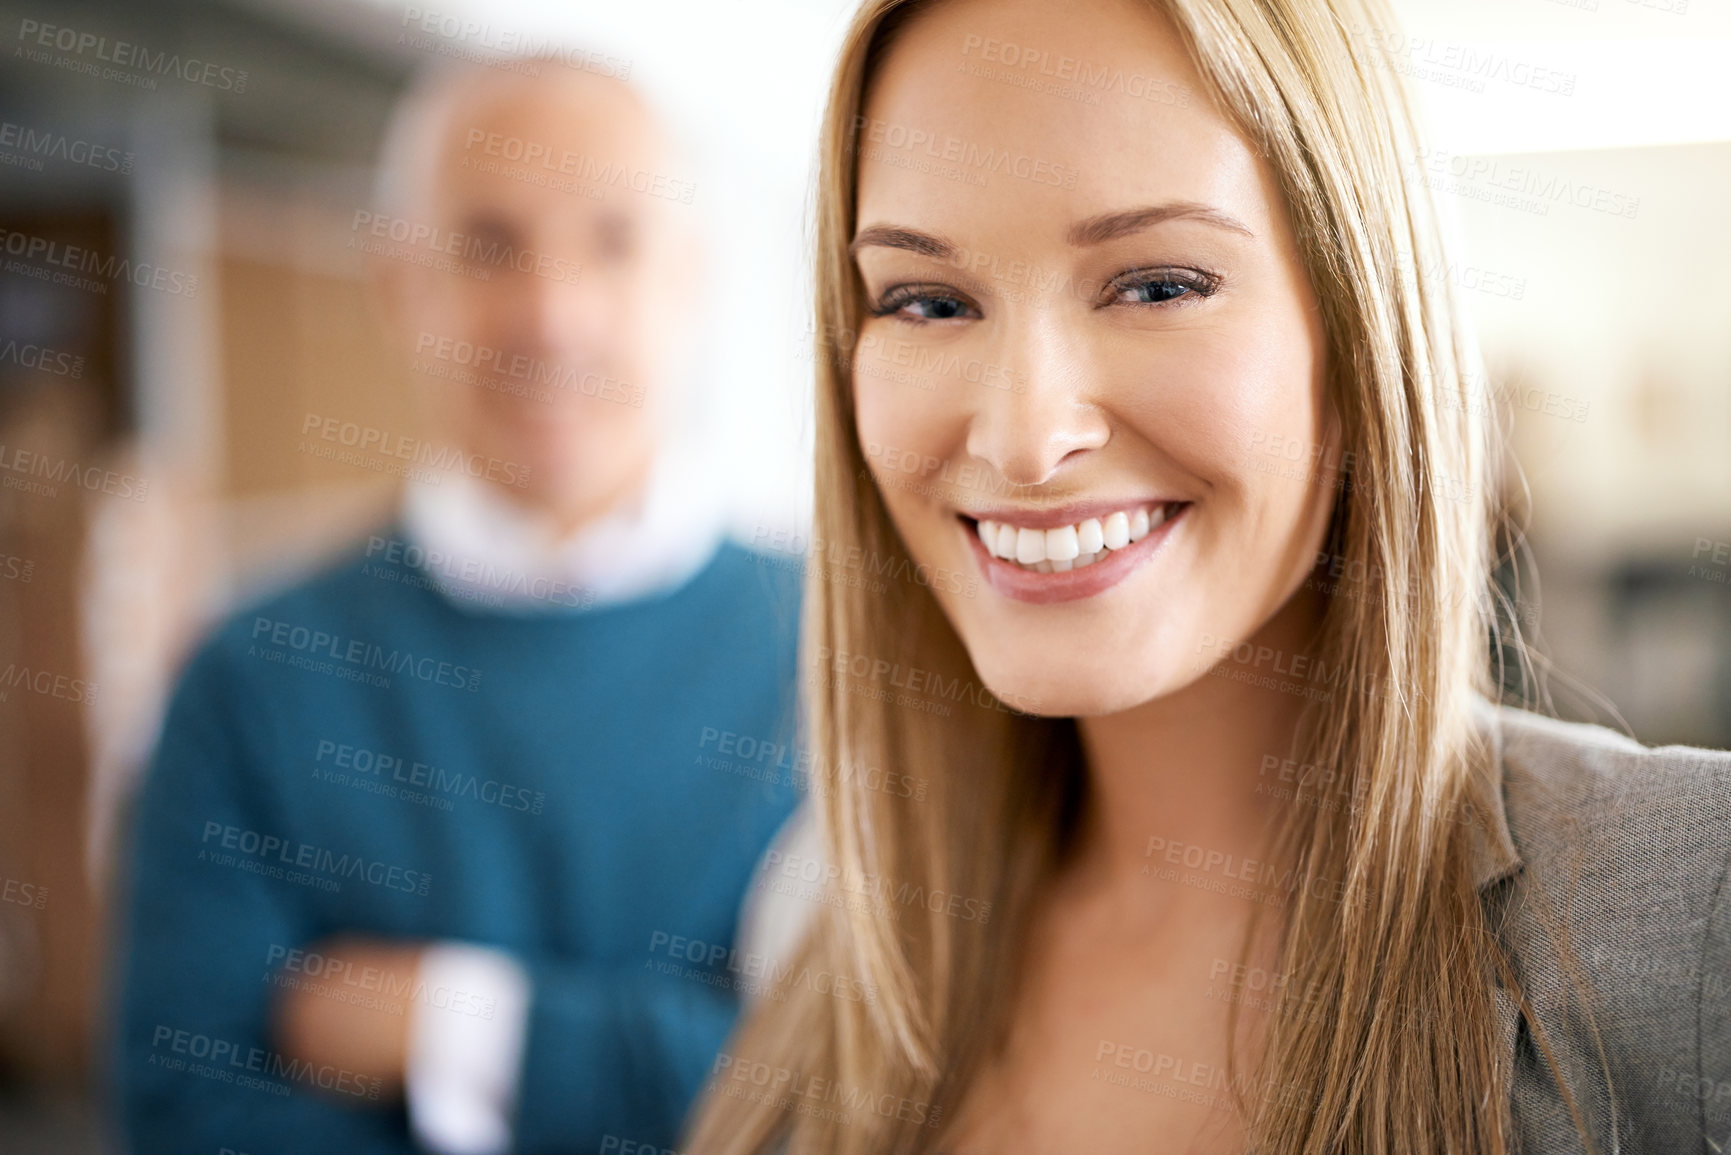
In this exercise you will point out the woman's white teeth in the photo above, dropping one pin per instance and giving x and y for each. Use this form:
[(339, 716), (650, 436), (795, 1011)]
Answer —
[(1115, 532), (1068, 546)]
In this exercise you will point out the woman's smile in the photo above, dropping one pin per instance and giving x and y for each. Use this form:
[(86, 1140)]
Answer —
[(1060, 555)]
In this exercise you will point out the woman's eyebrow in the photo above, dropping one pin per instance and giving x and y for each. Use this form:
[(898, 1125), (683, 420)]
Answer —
[(1110, 226), (911, 240), (1095, 230)]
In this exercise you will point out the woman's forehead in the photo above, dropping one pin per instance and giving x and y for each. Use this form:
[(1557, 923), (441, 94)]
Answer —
[(962, 120)]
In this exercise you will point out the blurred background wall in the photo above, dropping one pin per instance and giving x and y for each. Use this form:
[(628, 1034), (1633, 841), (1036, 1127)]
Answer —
[(178, 293)]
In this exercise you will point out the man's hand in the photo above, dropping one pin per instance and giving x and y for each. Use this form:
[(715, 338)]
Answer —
[(354, 1013)]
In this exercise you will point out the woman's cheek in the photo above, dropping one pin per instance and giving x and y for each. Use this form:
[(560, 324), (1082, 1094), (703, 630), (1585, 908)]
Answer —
[(1192, 409), (1221, 401), (904, 430)]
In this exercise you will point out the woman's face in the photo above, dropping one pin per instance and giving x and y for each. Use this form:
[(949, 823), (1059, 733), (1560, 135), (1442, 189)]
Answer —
[(1088, 340)]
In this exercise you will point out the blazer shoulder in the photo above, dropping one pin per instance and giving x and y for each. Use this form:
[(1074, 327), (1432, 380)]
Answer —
[(1643, 826), (1560, 771), (1627, 844)]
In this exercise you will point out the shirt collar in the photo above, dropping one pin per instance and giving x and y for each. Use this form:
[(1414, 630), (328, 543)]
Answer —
[(484, 549)]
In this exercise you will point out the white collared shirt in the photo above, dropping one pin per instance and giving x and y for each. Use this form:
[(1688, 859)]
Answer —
[(494, 549)]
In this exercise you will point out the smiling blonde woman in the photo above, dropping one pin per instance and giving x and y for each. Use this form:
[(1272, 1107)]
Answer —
[(1143, 334)]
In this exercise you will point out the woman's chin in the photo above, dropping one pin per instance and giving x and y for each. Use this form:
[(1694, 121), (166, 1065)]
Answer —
[(1054, 693)]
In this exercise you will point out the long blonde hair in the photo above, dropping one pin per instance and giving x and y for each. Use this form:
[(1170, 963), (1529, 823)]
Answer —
[(1395, 1042)]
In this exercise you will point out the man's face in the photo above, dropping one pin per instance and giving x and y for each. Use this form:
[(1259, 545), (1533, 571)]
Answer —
[(546, 315)]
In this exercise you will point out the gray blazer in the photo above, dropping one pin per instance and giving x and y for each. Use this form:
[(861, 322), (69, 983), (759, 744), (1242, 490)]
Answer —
[(1626, 849)]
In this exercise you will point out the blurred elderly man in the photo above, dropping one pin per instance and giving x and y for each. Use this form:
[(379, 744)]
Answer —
[(427, 840)]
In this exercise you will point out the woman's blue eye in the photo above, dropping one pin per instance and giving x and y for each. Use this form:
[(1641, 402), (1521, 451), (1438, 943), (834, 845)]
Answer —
[(937, 308), (1153, 292), (921, 306), (1160, 286)]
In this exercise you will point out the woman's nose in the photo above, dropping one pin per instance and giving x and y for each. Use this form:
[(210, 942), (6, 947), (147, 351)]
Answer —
[(1047, 416)]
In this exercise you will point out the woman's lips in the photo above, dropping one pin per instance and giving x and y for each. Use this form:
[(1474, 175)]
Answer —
[(1027, 585)]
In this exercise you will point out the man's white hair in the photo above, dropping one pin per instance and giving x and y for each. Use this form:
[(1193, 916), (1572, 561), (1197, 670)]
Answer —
[(408, 158)]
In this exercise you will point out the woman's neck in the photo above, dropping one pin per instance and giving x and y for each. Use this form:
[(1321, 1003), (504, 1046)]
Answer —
[(1197, 775)]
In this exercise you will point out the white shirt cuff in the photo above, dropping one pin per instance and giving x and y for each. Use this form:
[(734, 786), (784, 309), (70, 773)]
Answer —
[(465, 1054), (772, 923)]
